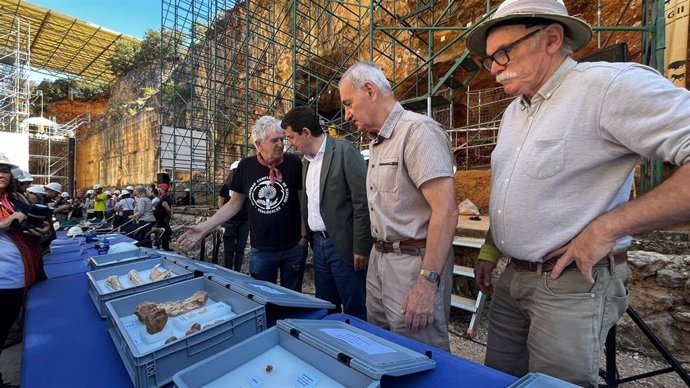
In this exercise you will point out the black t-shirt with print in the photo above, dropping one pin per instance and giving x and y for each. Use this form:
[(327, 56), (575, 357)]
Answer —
[(274, 210)]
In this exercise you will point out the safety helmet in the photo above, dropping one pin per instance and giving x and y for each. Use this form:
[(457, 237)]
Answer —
[(108, 193), (89, 192), (125, 192), (97, 186), (64, 194), (130, 188), (122, 247), (117, 192), (36, 190), (75, 231), (187, 190), (54, 186)]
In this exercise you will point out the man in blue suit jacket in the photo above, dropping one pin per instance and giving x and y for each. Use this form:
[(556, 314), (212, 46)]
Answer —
[(334, 207)]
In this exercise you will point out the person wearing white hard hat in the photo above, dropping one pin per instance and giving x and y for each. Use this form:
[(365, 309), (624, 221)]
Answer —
[(53, 190), (23, 178), (99, 200), (187, 200), (143, 214), (124, 208), (89, 203), (36, 194), (562, 174), (236, 228), (20, 251)]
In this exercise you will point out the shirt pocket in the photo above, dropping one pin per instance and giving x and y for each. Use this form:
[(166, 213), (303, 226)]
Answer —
[(387, 175), (547, 158)]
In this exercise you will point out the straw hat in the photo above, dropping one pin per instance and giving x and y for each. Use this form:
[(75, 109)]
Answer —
[(577, 30)]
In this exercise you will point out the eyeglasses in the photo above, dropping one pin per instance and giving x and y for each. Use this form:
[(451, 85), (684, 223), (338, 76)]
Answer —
[(501, 56)]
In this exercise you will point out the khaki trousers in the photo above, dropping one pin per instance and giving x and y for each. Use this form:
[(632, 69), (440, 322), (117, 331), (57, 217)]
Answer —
[(389, 278), (557, 327)]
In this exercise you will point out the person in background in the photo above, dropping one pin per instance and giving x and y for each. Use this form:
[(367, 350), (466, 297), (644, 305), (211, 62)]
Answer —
[(143, 214), (334, 207), (563, 169), (236, 228), (36, 194), (163, 214), (125, 209), (99, 202), (187, 200), (23, 178), (77, 212), (270, 181), (109, 204), (20, 258), (411, 197), (89, 204)]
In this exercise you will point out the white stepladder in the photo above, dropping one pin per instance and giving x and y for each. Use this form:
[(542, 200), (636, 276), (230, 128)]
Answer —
[(472, 305)]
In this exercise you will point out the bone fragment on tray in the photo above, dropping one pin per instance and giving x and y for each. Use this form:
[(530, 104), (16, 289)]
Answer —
[(157, 274), (177, 308), (134, 277), (171, 339), (113, 282), (152, 315), (155, 315), (195, 327)]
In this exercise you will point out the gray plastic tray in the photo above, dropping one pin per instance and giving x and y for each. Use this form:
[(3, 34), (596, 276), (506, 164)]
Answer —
[(319, 354), (100, 293), (540, 380), (156, 367), (111, 259)]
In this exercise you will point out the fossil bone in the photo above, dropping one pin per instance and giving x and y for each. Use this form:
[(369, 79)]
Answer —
[(157, 274), (113, 282), (133, 275), (179, 307)]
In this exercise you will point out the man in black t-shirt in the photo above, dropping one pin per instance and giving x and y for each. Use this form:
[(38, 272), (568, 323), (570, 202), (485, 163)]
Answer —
[(236, 228), (270, 181)]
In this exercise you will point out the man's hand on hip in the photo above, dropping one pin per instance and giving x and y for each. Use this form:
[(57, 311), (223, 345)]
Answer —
[(418, 306), (586, 249)]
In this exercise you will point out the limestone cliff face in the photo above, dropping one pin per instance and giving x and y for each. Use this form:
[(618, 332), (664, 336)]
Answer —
[(120, 147)]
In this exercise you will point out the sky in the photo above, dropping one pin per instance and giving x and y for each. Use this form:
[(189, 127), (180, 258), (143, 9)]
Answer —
[(131, 17)]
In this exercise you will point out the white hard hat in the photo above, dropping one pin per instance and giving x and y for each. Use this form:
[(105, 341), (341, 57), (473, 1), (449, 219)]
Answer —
[(186, 190), (75, 231), (117, 192), (107, 192), (365, 154), (125, 192), (5, 161), (64, 194), (122, 247), (89, 192), (26, 177), (234, 164), (97, 186), (130, 188), (36, 190), (54, 186)]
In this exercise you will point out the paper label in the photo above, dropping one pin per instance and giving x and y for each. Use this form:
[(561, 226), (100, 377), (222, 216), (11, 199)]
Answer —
[(306, 380), (363, 343)]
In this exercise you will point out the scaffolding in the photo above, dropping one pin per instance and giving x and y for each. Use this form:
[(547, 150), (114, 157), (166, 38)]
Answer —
[(235, 61), (15, 97)]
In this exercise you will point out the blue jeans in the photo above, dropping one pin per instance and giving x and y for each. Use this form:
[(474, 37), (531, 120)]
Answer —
[(264, 265), (337, 281)]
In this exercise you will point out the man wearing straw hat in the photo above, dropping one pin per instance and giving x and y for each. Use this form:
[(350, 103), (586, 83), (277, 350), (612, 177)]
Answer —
[(562, 173)]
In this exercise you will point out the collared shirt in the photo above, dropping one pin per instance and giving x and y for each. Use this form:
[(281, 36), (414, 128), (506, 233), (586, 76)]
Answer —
[(567, 157), (313, 182), (409, 150)]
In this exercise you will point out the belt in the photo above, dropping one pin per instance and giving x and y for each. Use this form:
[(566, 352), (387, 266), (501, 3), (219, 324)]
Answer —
[(321, 233), (407, 247), (547, 266)]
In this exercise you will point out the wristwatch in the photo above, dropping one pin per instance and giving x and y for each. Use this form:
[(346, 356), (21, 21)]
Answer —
[(430, 275)]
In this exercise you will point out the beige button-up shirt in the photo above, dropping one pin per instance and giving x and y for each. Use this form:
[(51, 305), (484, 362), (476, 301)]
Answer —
[(410, 149)]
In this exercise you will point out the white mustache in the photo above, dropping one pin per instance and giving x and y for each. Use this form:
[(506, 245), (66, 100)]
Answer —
[(505, 76)]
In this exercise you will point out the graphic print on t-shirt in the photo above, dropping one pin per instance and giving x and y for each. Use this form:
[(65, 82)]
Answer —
[(267, 198)]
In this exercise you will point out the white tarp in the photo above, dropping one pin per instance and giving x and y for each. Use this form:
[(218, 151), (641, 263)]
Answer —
[(183, 149)]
